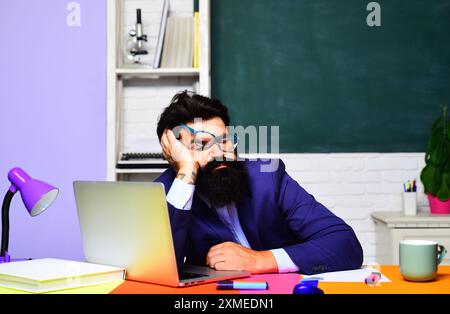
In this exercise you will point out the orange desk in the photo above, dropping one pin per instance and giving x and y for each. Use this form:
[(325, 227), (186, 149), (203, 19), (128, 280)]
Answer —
[(441, 285), (284, 283)]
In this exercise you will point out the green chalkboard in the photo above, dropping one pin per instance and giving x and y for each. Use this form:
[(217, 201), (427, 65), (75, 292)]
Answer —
[(327, 79)]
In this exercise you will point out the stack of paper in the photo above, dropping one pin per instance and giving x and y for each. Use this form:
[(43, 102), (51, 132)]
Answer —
[(178, 51), (357, 275), (48, 274)]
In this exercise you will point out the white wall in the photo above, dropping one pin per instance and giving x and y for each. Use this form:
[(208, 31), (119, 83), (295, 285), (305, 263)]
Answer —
[(355, 185), (143, 102)]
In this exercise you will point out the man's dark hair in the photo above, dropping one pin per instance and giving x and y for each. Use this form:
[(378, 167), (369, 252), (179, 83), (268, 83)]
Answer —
[(185, 106)]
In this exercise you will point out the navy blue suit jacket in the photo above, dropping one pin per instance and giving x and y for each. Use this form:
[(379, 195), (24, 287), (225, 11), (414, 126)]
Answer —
[(279, 213)]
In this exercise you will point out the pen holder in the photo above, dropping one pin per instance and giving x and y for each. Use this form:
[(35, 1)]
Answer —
[(410, 203)]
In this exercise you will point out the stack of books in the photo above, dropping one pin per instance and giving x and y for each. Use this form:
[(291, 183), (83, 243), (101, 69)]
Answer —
[(178, 51), (50, 274), (178, 41)]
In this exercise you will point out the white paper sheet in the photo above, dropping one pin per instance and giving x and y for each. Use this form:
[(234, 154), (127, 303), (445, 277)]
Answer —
[(357, 275)]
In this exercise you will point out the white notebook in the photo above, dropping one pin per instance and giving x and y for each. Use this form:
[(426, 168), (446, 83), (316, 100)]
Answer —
[(356, 275), (49, 274)]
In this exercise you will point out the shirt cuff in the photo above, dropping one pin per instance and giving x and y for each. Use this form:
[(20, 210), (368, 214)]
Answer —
[(180, 194), (284, 262)]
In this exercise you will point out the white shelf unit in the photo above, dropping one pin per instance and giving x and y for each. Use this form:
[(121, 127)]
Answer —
[(136, 95), (128, 73)]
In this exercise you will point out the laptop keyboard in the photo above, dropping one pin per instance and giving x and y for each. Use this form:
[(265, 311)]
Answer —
[(186, 275)]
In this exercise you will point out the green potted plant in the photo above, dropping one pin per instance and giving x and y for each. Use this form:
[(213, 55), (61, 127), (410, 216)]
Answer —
[(435, 176)]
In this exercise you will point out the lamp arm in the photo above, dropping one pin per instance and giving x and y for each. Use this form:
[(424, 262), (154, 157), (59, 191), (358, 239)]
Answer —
[(5, 221)]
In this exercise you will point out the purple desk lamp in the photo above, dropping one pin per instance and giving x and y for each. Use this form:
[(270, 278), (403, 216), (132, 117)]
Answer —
[(36, 196)]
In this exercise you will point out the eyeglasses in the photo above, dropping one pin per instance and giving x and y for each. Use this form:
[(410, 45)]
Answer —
[(203, 140)]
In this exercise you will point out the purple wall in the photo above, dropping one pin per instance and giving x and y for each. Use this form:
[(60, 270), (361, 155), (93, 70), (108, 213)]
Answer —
[(52, 114)]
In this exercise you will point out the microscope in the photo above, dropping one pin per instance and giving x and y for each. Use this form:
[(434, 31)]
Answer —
[(135, 44)]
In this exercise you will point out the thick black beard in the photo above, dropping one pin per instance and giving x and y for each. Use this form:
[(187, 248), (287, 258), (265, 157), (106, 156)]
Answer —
[(223, 186)]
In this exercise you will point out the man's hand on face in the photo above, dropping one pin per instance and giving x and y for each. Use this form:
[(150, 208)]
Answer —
[(233, 256), (180, 157)]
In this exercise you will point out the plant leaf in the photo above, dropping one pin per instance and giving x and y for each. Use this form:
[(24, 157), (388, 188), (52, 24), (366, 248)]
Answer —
[(446, 161), (435, 139), (437, 156), (447, 131), (444, 192), (427, 176), (437, 179), (435, 176)]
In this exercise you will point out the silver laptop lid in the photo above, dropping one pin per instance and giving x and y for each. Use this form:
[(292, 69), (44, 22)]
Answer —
[(127, 224)]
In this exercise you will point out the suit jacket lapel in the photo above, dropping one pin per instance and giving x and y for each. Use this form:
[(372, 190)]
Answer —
[(249, 223), (210, 218)]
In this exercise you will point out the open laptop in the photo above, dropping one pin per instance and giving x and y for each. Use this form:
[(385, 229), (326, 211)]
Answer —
[(127, 224)]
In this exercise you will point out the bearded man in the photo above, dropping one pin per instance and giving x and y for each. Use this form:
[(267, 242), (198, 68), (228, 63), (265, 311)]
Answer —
[(230, 214)]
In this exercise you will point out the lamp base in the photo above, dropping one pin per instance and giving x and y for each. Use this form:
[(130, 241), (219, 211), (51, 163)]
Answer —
[(7, 259)]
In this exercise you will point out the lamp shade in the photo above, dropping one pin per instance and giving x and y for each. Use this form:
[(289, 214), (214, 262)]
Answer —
[(36, 195)]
